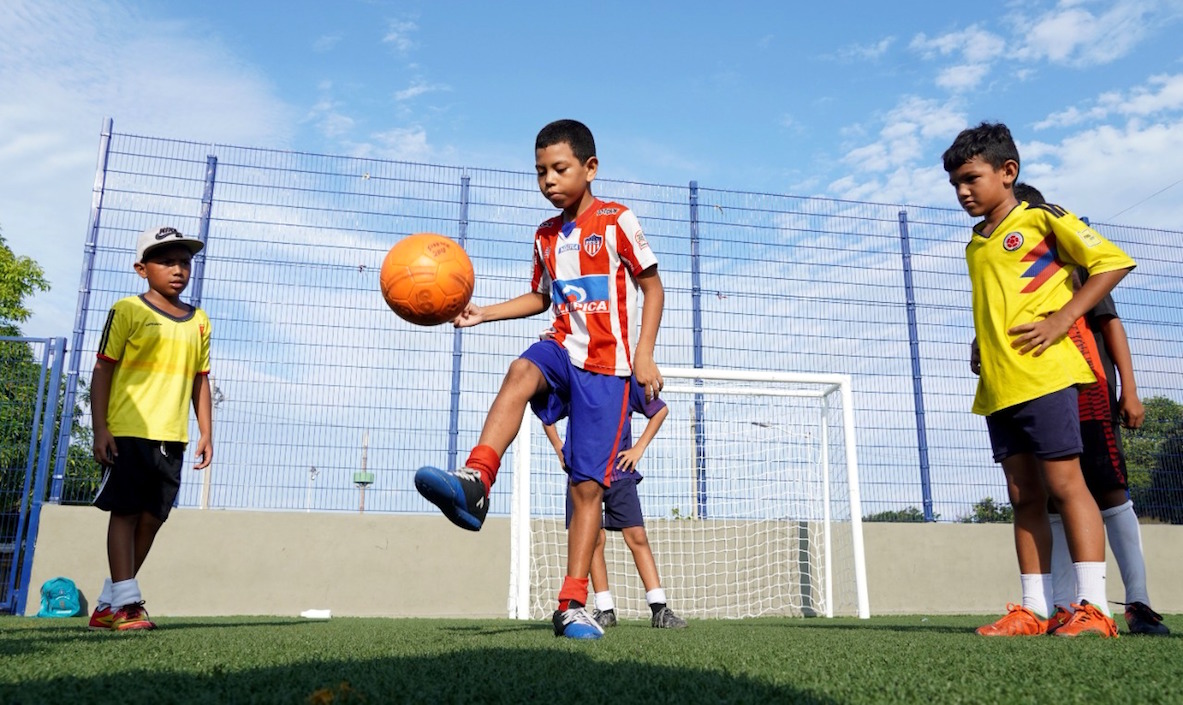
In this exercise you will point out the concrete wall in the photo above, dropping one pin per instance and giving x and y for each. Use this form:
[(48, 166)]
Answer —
[(281, 563)]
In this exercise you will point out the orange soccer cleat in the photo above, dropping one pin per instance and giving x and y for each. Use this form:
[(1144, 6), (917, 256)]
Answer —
[(1058, 619), (1087, 619), (1018, 621), (102, 618), (132, 616)]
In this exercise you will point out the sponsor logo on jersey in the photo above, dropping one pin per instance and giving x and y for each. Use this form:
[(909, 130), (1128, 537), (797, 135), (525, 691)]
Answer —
[(585, 294), (608, 211), (592, 244), (1090, 237), (642, 243), (1012, 241), (567, 247)]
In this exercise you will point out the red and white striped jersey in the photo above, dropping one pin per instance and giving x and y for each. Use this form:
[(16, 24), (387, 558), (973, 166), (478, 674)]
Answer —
[(588, 268)]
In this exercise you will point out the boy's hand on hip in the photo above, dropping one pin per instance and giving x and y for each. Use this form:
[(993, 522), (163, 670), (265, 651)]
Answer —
[(1039, 335)]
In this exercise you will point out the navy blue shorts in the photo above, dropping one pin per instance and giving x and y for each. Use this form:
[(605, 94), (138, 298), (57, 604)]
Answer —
[(596, 407), (622, 504), (1048, 426)]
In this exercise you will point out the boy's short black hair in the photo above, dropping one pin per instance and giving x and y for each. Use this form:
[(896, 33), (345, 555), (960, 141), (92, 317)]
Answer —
[(990, 140), (574, 133), (1028, 193)]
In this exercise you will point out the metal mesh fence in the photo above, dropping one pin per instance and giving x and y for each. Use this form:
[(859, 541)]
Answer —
[(310, 365)]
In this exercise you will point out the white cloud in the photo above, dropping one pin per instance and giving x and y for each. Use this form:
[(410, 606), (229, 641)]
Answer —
[(1160, 94), (398, 35), (326, 42), (973, 44), (419, 88), (867, 52), (1070, 34), (67, 64), (963, 77)]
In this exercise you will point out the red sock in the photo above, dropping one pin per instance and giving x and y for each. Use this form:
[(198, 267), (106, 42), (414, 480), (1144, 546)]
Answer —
[(484, 460), (573, 590)]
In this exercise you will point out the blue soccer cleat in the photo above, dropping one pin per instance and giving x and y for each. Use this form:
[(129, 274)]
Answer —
[(459, 494), (576, 623)]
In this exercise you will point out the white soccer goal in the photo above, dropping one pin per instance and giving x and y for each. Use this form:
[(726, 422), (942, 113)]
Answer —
[(750, 496)]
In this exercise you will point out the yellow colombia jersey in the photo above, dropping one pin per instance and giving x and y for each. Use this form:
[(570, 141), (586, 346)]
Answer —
[(156, 357), (1021, 274)]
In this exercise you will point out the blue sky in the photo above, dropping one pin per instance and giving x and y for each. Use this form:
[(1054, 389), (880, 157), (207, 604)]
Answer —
[(842, 99)]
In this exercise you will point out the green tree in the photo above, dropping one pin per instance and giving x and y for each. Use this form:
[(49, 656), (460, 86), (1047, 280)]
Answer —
[(910, 515), (1154, 466), (19, 278), (987, 512)]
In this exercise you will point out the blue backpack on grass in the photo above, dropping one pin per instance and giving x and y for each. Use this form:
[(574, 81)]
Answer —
[(59, 598)]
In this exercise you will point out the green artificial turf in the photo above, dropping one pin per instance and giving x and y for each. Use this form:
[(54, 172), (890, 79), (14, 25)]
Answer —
[(933, 660)]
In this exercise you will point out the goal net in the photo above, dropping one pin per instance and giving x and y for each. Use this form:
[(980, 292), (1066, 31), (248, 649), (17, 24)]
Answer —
[(750, 498)]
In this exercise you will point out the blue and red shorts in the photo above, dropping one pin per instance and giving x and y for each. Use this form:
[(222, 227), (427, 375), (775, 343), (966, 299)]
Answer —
[(596, 407), (622, 504)]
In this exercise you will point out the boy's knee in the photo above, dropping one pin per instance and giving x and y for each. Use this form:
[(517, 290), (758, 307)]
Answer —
[(525, 374)]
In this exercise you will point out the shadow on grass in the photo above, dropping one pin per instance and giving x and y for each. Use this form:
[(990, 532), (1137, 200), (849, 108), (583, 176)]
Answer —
[(469, 676)]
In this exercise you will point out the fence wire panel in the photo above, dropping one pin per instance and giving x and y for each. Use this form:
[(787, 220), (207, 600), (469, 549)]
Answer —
[(312, 371)]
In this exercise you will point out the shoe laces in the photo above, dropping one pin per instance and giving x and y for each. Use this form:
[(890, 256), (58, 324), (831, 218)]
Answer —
[(579, 615), (468, 474)]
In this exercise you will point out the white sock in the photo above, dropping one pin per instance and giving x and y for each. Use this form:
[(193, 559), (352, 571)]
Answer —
[(1125, 540), (125, 592), (604, 601), (1037, 593), (1063, 576), (655, 596), (1090, 582), (104, 599)]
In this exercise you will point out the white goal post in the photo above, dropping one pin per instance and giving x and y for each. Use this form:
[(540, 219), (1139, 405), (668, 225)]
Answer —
[(750, 496)]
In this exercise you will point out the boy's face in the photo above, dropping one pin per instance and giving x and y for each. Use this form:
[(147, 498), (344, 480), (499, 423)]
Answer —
[(981, 188), (561, 177), (167, 270)]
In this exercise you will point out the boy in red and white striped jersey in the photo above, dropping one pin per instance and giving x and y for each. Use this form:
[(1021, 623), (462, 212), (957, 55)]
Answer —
[(590, 263)]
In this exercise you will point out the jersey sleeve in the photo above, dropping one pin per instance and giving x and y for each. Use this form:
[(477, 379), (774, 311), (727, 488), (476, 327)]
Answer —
[(540, 278), (1085, 246), (115, 333), (631, 243), (203, 361)]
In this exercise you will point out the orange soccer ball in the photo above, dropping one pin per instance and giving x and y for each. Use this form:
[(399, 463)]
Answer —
[(426, 279)]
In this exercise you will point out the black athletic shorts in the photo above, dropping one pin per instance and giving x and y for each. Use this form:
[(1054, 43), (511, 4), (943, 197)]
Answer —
[(145, 477)]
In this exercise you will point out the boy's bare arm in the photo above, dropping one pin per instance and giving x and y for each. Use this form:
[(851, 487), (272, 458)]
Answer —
[(627, 459), (552, 435), (517, 307), (204, 408), (1038, 336), (644, 366), (1128, 404), (100, 398)]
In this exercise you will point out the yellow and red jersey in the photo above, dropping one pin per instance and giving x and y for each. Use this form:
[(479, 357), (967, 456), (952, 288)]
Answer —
[(156, 358), (1021, 274), (588, 268)]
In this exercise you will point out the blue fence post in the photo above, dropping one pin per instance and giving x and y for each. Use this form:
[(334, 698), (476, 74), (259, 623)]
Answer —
[(47, 423), (92, 238), (207, 206), (457, 342), (700, 454), (917, 379)]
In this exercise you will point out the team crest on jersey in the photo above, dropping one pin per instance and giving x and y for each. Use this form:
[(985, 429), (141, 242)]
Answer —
[(642, 243), (592, 244), (1012, 241)]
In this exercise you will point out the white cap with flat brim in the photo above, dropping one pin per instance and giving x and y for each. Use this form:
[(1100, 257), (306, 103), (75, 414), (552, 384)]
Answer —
[(163, 235)]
